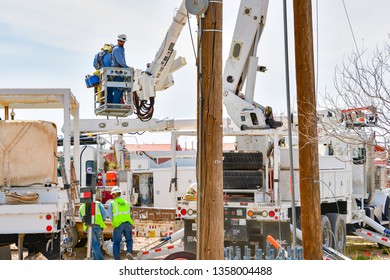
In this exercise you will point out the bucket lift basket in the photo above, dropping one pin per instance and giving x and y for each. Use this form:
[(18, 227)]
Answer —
[(114, 96)]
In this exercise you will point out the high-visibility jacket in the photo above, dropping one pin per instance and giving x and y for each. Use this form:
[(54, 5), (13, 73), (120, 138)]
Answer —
[(98, 215), (120, 212)]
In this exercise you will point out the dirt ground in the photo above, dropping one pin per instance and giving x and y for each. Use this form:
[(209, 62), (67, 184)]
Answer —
[(360, 249), (80, 253), (357, 249)]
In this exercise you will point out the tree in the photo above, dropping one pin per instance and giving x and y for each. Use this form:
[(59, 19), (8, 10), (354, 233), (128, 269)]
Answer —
[(363, 81), (358, 115)]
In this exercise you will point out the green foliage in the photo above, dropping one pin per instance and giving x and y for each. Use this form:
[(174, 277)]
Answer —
[(361, 257)]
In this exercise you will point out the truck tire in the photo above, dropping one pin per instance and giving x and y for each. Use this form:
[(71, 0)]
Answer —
[(327, 234), (242, 179), (182, 255), (242, 161), (339, 230)]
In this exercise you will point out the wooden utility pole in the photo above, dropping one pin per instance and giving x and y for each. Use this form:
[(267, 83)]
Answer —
[(307, 126), (210, 235)]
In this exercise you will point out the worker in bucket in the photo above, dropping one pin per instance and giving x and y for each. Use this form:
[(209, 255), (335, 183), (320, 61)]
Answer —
[(97, 228), (118, 52), (119, 213), (117, 60)]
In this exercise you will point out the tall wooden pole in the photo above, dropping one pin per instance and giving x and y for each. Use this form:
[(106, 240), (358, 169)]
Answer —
[(210, 233), (307, 124)]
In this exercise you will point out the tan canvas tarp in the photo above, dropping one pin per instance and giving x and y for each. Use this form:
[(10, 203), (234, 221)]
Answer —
[(28, 153)]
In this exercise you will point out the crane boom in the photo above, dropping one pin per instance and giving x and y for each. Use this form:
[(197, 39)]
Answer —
[(165, 64), (242, 66), (158, 75)]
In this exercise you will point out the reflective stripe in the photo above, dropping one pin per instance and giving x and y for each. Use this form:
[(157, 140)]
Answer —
[(119, 217), (116, 213), (115, 210)]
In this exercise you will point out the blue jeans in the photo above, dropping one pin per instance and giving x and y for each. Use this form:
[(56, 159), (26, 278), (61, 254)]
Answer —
[(96, 252), (114, 95), (125, 230)]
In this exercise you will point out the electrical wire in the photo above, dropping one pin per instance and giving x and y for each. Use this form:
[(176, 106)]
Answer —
[(200, 131), (287, 67), (137, 133), (191, 36), (352, 33)]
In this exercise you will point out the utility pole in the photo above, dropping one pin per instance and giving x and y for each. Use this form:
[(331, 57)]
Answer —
[(307, 126), (210, 218)]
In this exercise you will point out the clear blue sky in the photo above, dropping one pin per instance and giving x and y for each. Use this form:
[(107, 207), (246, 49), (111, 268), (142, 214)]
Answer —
[(47, 44)]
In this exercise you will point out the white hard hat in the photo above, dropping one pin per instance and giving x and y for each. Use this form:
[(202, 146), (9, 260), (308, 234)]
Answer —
[(116, 190), (122, 37)]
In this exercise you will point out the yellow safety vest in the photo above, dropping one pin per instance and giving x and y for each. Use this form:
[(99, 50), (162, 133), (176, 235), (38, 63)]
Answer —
[(98, 215), (120, 212)]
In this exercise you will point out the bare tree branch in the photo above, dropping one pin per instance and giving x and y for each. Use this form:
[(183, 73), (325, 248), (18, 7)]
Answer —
[(362, 81)]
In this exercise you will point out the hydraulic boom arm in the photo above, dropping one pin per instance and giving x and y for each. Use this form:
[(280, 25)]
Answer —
[(242, 66), (158, 75)]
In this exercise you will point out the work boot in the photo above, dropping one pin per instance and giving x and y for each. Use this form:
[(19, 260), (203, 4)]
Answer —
[(129, 256)]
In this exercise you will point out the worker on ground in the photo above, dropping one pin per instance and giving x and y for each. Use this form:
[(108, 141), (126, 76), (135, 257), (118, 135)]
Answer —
[(118, 53), (97, 228), (119, 213)]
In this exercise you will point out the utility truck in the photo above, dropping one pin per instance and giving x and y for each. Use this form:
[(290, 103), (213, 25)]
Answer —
[(257, 173), (148, 185), (36, 205)]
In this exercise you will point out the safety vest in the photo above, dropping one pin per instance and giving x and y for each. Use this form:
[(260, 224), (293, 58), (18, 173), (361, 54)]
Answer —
[(98, 215), (120, 212)]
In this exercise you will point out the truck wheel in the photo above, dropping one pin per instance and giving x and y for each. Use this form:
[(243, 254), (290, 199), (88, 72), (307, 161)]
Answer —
[(339, 230), (327, 234), (183, 255)]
